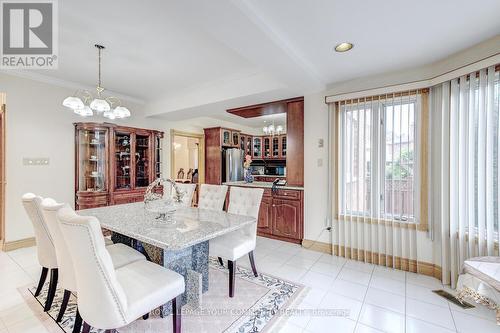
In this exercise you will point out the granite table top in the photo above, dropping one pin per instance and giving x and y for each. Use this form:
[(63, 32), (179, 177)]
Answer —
[(192, 225)]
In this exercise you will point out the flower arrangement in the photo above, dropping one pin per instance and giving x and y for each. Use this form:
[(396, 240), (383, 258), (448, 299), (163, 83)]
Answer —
[(248, 161), (247, 172)]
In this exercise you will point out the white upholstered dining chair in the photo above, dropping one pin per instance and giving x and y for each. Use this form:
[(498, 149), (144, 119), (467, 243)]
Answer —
[(45, 247), (232, 246), (212, 197), (120, 254), (188, 190), (124, 294)]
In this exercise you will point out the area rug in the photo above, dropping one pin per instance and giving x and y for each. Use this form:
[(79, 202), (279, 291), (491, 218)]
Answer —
[(257, 306)]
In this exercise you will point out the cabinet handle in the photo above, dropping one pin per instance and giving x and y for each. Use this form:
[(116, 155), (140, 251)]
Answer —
[(274, 205)]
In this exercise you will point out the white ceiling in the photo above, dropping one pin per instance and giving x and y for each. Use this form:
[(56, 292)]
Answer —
[(199, 57), (257, 122)]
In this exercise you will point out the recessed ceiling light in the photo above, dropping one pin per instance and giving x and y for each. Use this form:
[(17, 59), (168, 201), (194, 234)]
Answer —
[(343, 47)]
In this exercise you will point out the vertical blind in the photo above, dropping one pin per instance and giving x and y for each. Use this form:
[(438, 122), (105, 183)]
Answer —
[(378, 167), (470, 141)]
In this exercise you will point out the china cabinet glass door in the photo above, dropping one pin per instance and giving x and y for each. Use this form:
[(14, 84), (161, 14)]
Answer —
[(142, 160), (123, 160), (158, 149), (92, 160)]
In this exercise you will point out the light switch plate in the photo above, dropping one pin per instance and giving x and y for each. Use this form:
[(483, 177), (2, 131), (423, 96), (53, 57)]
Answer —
[(321, 143), (36, 161)]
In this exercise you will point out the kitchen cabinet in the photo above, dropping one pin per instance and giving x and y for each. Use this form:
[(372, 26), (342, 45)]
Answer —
[(226, 137), (266, 144), (286, 217), (246, 144), (283, 146), (281, 215), (257, 147), (236, 139), (276, 151), (264, 224)]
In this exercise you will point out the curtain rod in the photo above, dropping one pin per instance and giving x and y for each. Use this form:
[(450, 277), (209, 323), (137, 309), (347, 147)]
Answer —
[(413, 85)]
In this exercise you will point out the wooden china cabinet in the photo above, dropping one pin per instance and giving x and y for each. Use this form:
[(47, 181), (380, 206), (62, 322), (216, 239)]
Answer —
[(114, 164)]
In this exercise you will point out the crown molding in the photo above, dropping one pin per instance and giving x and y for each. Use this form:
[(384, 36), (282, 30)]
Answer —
[(67, 84), (425, 83)]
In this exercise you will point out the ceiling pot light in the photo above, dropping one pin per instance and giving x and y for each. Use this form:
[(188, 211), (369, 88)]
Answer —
[(343, 47), (83, 102)]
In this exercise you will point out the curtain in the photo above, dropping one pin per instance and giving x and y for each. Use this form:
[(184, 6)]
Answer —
[(380, 145), (467, 163)]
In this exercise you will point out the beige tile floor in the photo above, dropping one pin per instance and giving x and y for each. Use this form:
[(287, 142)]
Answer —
[(378, 299)]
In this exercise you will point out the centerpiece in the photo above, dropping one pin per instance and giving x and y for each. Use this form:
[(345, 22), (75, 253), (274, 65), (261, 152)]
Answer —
[(247, 175), (163, 207)]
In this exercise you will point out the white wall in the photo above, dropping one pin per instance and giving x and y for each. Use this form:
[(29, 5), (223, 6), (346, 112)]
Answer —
[(39, 126), (315, 176)]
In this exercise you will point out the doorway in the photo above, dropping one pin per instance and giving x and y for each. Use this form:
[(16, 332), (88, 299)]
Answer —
[(187, 158), (2, 169)]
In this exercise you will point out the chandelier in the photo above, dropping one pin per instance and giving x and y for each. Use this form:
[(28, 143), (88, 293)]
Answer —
[(273, 130), (83, 103)]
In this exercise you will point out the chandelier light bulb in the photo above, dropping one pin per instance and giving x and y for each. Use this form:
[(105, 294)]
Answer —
[(100, 105), (86, 112), (73, 103), (121, 112), (109, 114)]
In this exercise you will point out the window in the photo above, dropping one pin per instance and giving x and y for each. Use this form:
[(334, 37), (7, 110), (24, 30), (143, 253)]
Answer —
[(378, 157)]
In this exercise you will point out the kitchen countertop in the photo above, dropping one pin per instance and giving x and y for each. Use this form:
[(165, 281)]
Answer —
[(269, 176), (262, 185)]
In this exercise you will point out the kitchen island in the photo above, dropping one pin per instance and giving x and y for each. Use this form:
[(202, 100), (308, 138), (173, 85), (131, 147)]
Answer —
[(281, 214)]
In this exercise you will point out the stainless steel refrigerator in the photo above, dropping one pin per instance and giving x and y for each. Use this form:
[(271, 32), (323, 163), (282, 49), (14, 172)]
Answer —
[(232, 164)]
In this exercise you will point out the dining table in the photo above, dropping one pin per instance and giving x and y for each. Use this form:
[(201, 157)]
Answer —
[(180, 244)]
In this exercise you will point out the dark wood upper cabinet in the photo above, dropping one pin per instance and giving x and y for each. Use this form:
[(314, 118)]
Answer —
[(213, 155), (257, 147), (227, 139), (295, 143), (283, 146), (266, 143)]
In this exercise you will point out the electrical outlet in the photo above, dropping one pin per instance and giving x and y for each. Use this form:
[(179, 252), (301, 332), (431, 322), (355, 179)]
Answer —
[(38, 161), (320, 162)]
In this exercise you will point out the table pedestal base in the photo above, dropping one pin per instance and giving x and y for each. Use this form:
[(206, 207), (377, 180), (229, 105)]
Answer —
[(191, 262)]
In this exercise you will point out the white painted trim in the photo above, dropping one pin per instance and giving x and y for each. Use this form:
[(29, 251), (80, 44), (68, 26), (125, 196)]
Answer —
[(443, 77)]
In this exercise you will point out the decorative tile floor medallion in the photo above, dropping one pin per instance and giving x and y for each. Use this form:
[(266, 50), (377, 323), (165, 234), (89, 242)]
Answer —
[(256, 306)]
